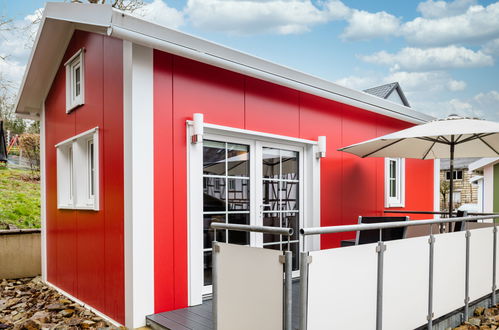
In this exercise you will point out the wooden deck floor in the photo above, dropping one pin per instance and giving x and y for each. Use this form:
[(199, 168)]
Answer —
[(199, 317)]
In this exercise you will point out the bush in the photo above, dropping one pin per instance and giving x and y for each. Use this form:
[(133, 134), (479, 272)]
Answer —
[(30, 146)]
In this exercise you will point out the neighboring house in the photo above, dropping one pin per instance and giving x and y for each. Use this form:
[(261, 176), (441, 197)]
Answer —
[(465, 190), (392, 92), (132, 178), (486, 177)]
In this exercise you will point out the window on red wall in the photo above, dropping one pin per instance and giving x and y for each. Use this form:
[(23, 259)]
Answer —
[(75, 81), (394, 182)]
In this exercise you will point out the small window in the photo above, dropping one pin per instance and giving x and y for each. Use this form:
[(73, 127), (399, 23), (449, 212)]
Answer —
[(394, 182), (78, 155), (75, 81), (458, 175)]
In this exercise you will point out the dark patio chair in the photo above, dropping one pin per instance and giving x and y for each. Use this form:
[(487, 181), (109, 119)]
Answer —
[(388, 234)]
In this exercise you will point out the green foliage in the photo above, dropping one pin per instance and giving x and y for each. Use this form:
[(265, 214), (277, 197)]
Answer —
[(19, 198), (30, 145)]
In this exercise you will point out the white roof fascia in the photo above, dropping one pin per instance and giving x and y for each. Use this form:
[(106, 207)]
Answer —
[(476, 178), (481, 163), (126, 27)]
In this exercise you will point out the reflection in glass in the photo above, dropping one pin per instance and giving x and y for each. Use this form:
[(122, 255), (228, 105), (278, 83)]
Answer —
[(239, 191), (271, 163), (209, 233), (214, 194), (272, 220), (289, 196), (290, 220), (238, 159), (213, 157), (296, 255), (207, 267), (270, 195), (239, 237), (289, 165)]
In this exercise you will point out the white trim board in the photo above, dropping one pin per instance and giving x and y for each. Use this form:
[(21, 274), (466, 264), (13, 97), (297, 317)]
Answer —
[(43, 187), (139, 183)]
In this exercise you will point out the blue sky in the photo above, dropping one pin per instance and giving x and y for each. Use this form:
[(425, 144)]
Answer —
[(443, 53)]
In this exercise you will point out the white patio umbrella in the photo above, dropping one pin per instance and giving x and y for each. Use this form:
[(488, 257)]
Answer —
[(452, 137)]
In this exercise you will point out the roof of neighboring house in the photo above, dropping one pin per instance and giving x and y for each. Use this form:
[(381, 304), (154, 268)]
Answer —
[(482, 162), (384, 92), (61, 19), (459, 163)]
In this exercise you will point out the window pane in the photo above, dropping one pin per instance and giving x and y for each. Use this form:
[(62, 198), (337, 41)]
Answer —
[(290, 220), (207, 267), (91, 167), (393, 169), (459, 175), (272, 220), (289, 165), (289, 196), (271, 163), (214, 194), (270, 195), (209, 233), (239, 237), (77, 81), (239, 191), (393, 188), (237, 159), (295, 248), (447, 175), (213, 157)]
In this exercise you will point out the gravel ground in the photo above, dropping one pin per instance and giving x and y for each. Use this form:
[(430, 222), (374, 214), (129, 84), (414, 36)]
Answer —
[(483, 319), (29, 304)]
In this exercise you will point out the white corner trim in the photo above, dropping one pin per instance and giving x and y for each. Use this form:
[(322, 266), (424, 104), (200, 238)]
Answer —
[(436, 187), (76, 300), (139, 183), (43, 187)]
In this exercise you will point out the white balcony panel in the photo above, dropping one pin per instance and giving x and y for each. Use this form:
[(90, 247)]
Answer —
[(342, 288), (249, 288)]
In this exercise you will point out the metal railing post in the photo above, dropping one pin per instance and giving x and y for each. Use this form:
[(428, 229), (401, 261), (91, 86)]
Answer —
[(214, 275), (304, 262), (288, 289), (431, 242), (494, 265), (467, 276), (380, 249)]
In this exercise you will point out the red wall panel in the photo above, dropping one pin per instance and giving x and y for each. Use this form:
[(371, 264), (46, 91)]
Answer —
[(85, 248), (350, 186)]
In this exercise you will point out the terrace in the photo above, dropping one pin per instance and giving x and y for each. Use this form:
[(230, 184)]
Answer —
[(437, 277)]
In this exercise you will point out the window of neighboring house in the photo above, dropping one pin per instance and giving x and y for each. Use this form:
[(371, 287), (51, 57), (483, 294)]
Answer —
[(78, 172), (75, 81), (394, 182), (458, 175)]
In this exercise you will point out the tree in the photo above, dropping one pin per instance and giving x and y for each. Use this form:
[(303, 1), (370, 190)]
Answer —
[(444, 190), (125, 5), (30, 146)]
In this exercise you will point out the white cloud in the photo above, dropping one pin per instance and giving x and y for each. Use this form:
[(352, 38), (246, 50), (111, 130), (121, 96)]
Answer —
[(262, 16), (160, 13), (476, 25), (491, 47), (412, 82), (366, 25), (437, 9), (417, 59)]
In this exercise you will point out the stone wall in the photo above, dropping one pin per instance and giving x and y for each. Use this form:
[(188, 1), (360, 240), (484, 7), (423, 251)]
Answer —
[(469, 192), (20, 253)]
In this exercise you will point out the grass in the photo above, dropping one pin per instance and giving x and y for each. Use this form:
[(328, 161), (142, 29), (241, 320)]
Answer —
[(19, 198)]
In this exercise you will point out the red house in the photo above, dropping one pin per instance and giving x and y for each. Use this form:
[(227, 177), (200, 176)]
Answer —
[(131, 182)]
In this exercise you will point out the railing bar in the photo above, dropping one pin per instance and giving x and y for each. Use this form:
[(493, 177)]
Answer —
[(304, 264), (395, 224), (431, 241), (251, 228), (435, 212), (214, 282), (380, 249), (288, 286), (467, 275)]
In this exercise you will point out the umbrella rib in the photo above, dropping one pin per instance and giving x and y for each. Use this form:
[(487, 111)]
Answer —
[(488, 145), (432, 140), (429, 149), (474, 137), (460, 135), (383, 147)]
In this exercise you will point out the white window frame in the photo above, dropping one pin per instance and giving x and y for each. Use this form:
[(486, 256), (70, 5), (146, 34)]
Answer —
[(74, 172), (310, 211), (76, 61), (399, 199)]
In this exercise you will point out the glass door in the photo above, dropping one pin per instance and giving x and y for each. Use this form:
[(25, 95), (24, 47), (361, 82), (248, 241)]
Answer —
[(279, 176)]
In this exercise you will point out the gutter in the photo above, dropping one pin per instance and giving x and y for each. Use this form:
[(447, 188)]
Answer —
[(181, 50)]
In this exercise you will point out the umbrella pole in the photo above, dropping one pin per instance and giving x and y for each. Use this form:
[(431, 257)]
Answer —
[(451, 183)]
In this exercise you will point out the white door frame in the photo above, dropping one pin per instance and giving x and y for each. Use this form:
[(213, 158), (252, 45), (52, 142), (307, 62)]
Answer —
[(309, 191)]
